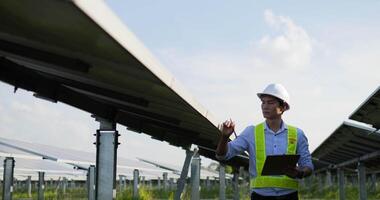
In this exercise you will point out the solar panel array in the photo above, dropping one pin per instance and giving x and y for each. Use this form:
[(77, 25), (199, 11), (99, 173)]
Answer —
[(354, 142), (62, 162), (84, 56)]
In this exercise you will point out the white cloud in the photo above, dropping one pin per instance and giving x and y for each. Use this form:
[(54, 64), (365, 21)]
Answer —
[(291, 48), (21, 107), (361, 65)]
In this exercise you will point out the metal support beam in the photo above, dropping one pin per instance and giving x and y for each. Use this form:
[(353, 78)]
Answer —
[(106, 159), (41, 185), (236, 185), (195, 175), (340, 173), (135, 183), (165, 178), (182, 180), (222, 182), (362, 181), (29, 186), (159, 182), (91, 182), (9, 164), (360, 159)]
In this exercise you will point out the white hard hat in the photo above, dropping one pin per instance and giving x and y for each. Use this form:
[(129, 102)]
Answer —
[(276, 90)]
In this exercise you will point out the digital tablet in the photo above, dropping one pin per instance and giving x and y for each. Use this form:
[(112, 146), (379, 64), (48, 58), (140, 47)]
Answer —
[(277, 164)]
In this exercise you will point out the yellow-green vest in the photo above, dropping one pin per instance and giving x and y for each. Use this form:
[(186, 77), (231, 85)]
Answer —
[(272, 181)]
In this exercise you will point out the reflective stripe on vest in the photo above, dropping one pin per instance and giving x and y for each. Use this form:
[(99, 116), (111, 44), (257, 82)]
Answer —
[(272, 181)]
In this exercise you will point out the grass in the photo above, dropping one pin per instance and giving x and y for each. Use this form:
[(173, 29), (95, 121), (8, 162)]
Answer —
[(147, 193)]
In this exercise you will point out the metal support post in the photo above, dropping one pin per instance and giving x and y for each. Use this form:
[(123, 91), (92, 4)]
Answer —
[(159, 182), (222, 182), (182, 180), (135, 183), (171, 183), (121, 183), (124, 182), (319, 180), (354, 181), (15, 184), (236, 185), (72, 183), (195, 175), (9, 164), (106, 159), (340, 173), (41, 185), (208, 183), (308, 183), (328, 179), (362, 181), (29, 186), (165, 178), (64, 182), (373, 182), (91, 182)]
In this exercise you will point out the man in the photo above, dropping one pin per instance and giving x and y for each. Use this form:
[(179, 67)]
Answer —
[(272, 137)]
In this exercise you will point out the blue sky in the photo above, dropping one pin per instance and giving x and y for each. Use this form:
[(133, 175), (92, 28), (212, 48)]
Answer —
[(326, 53)]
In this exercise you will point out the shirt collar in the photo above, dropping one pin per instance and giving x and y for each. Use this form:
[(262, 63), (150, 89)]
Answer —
[(282, 128)]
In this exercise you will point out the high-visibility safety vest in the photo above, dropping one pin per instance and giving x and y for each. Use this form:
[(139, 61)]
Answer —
[(272, 181)]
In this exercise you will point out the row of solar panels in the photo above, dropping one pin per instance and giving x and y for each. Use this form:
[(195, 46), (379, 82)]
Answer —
[(356, 141), (84, 56), (59, 162)]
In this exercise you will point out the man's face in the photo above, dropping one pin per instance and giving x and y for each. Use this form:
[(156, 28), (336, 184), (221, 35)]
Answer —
[(271, 107)]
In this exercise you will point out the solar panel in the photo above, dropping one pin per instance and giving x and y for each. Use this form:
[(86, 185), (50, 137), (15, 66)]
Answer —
[(83, 159), (369, 111), (348, 142), (30, 167)]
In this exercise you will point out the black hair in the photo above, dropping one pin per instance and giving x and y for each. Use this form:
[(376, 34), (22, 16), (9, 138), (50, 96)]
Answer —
[(282, 103)]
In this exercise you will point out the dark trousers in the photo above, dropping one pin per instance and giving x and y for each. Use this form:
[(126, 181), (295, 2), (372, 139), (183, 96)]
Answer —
[(291, 196)]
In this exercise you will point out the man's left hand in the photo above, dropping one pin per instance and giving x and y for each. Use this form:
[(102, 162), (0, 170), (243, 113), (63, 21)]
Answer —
[(294, 172)]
